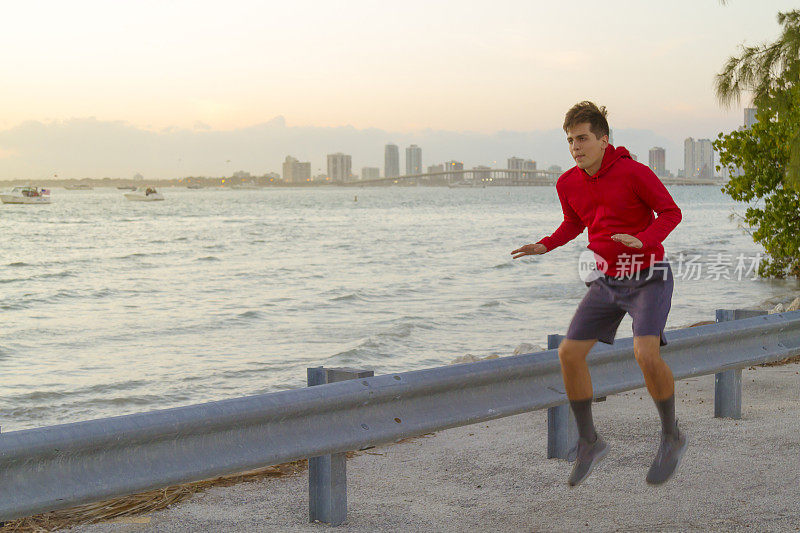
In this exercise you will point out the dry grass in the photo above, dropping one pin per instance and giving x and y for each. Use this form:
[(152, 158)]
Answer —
[(786, 361), (154, 500), (145, 502)]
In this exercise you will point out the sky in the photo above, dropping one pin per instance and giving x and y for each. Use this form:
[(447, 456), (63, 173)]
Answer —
[(178, 69)]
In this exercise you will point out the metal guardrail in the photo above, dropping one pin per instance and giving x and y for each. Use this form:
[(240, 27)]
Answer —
[(66, 465)]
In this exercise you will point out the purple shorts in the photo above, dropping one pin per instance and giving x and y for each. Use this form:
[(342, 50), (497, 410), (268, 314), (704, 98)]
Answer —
[(647, 297)]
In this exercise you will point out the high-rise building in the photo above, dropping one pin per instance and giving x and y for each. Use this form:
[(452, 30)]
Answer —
[(294, 171), (517, 163), (451, 166), (749, 119), (704, 159), (750, 116), (413, 160), (435, 169), (391, 161), (689, 167), (657, 161), (698, 159), (339, 166), (370, 173)]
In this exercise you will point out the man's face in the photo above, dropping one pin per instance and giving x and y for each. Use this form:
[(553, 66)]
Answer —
[(586, 149)]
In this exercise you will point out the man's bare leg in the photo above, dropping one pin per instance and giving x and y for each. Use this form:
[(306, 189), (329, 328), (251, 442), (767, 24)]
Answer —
[(657, 375), (574, 370), (578, 385), (661, 385)]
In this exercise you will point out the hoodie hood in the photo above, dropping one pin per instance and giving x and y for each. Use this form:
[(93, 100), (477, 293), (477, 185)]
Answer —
[(610, 156)]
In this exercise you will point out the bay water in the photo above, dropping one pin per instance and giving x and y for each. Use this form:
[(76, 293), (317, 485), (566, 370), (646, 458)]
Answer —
[(110, 307)]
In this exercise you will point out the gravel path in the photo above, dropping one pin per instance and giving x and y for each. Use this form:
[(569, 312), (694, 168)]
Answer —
[(736, 476)]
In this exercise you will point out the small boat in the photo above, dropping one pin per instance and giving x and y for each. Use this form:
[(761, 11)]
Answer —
[(78, 187), (127, 187), (194, 186), (144, 194), (26, 195)]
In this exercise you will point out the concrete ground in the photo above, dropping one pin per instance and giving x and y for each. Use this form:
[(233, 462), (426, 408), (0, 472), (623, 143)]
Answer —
[(737, 475)]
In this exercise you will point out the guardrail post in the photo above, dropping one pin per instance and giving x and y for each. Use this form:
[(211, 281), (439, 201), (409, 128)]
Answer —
[(327, 475), (728, 384), (562, 430)]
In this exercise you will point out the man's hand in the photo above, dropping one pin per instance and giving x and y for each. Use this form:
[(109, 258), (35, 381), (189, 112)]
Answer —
[(628, 240), (529, 249)]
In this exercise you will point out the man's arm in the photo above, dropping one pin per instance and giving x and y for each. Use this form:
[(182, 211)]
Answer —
[(649, 188), (571, 227)]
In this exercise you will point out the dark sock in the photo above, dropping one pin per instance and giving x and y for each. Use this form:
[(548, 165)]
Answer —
[(666, 410), (582, 409)]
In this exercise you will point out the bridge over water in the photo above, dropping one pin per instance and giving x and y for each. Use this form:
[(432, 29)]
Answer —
[(498, 177), (469, 178)]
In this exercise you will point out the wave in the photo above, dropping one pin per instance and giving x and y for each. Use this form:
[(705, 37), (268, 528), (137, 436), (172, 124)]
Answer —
[(100, 388), (28, 300), (370, 347), (347, 298), (19, 264), (62, 274), (122, 401), (37, 396), (48, 275), (103, 293), (139, 255), (247, 315), (208, 258), (351, 358)]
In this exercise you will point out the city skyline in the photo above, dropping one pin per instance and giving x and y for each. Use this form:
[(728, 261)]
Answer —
[(698, 157), (509, 68), (119, 150)]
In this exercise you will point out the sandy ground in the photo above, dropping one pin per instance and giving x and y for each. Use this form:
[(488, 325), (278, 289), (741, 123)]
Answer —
[(736, 476)]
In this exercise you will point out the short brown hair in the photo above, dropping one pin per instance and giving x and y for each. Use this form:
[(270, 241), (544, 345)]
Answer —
[(587, 111)]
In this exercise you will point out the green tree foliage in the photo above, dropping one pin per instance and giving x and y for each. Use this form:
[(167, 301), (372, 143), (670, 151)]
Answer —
[(758, 159), (760, 68), (769, 72), (764, 161)]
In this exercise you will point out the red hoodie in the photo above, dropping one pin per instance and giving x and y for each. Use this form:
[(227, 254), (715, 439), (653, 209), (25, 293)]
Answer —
[(619, 198)]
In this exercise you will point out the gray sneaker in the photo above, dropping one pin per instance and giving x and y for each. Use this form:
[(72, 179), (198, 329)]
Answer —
[(668, 457), (589, 454)]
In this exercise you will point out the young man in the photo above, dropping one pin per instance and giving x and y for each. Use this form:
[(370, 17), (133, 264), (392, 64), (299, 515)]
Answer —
[(615, 197)]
